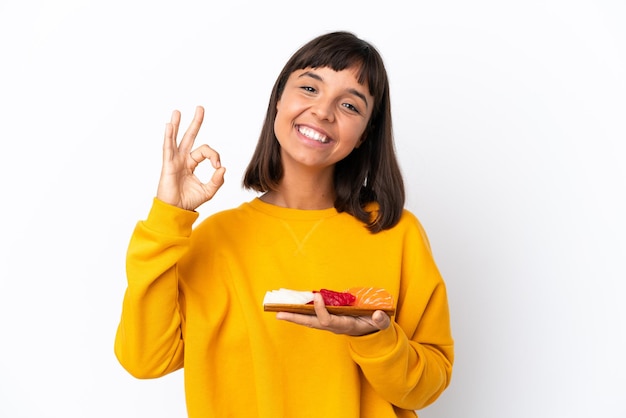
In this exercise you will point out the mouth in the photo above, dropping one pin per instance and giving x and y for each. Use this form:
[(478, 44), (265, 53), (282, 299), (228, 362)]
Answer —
[(313, 134)]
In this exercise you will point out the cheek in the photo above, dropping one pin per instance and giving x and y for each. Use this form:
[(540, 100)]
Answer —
[(360, 132), (276, 127), (280, 124), (278, 116), (284, 117)]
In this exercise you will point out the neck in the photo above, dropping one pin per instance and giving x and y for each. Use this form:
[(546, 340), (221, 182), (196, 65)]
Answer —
[(303, 191)]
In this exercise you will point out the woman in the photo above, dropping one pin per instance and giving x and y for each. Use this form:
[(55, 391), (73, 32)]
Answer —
[(329, 215)]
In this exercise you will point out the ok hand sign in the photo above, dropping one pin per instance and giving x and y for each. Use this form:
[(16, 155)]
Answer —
[(178, 185)]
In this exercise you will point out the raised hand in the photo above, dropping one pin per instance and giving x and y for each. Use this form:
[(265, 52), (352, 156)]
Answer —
[(339, 324), (178, 185)]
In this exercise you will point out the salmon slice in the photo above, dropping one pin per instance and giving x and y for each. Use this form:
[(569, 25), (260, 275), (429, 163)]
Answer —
[(372, 297)]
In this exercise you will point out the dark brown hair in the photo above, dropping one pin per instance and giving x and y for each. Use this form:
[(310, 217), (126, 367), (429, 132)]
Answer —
[(370, 173)]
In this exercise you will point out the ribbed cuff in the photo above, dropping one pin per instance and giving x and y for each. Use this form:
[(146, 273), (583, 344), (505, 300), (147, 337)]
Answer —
[(170, 220)]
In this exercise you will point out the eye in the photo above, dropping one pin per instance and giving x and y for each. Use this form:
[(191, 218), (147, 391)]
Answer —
[(308, 89), (351, 107)]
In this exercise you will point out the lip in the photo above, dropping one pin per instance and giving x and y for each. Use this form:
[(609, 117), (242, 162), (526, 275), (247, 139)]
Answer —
[(316, 129)]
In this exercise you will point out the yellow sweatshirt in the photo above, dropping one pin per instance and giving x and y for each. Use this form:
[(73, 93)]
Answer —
[(195, 300)]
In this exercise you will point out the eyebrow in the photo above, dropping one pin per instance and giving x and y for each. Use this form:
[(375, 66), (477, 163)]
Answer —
[(351, 91)]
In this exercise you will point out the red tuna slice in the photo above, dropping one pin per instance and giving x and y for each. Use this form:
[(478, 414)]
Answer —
[(332, 298)]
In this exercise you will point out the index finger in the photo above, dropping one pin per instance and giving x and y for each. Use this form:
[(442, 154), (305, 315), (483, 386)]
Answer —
[(191, 133)]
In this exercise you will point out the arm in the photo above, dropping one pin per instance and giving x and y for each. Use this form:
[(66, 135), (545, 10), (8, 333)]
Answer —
[(410, 373), (410, 363), (149, 340)]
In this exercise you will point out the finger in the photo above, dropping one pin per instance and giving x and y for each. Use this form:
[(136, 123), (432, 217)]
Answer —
[(381, 320), (169, 142), (192, 131), (205, 152), (175, 121), (321, 312), (169, 138), (300, 319), (217, 180)]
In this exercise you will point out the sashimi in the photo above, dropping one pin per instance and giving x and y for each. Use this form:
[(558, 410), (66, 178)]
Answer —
[(366, 297), (333, 298), (356, 301), (283, 295), (371, 297)]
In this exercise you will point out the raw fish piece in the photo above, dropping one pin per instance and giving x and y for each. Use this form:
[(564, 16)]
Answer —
[(372, 297)]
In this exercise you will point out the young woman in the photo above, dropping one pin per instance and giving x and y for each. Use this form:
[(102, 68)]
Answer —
[(329, 216)]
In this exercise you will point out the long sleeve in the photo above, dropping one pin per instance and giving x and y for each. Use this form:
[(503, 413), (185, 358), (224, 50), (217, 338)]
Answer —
[(149, 341), (410, 363)]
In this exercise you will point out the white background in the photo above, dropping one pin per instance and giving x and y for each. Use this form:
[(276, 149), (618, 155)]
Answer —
[(510, 121)]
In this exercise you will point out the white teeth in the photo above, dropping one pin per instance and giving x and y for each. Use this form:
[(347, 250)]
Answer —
[(314, 135)]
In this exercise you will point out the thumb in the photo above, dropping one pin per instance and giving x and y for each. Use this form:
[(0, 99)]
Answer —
[(217, 180), (381, 320)]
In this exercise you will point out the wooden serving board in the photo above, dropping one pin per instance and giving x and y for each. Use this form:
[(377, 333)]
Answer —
[(335, 310)]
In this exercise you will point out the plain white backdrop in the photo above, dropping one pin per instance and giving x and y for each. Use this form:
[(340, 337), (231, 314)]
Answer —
[(510, 122)]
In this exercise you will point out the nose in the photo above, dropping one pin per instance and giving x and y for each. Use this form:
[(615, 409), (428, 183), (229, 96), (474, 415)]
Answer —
[(324, 110)]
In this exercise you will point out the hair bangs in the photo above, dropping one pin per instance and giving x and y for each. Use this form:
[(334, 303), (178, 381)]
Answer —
[(339, 52)]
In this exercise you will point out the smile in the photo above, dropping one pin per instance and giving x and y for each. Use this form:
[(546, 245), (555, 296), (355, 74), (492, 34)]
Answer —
[(313, 134)]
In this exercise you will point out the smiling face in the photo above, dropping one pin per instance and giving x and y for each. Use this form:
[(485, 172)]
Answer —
[(321, 117)]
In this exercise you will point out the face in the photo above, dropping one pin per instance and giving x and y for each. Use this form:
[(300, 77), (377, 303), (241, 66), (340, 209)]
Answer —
[(321, 117)]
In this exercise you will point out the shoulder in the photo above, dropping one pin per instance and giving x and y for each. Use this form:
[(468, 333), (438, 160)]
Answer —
[(410, 220), (410, 229), (226, 216), (407, 218), (414, 227)]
